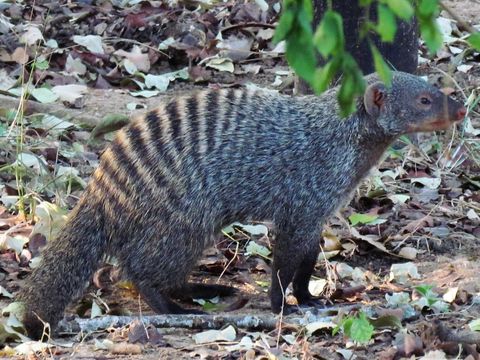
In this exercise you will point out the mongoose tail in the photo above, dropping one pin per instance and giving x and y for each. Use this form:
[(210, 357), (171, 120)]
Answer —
[(67, 265)]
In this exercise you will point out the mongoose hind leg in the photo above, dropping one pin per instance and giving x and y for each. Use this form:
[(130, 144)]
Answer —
[(161, 303), (202, 291)]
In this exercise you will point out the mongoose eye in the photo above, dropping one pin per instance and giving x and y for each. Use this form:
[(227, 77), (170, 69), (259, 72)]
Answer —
[(425, 101)]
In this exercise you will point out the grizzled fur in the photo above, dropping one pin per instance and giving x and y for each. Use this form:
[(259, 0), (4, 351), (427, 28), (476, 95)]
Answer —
[(173, 178)]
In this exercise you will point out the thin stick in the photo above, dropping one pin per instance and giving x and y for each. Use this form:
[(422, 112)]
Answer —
[(265, 321)]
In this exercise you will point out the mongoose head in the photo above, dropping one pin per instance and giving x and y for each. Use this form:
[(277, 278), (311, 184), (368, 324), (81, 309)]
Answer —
[(410, 105)]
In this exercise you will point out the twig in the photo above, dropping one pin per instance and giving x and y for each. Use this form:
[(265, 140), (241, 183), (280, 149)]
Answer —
[(246, 25), (280, 316), (135, 42), (251, 322)]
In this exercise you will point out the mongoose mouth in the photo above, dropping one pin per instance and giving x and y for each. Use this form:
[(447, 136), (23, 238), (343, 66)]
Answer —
[(439, 124), (434, 125)]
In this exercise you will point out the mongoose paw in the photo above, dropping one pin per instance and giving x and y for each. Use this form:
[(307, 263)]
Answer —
[(287, 309), (34, 327), (312, 302)]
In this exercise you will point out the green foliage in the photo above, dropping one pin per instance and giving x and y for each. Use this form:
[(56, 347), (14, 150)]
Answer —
[(427, 292), (358, 328), (208, 305), (387, 24), (474, 41), (356, 218), (430, 299), (381, 66), (295, 27), (41, 64), (324, 74), (352, 86), (426, 13), (329, 38), (402, 8), (329, 41)]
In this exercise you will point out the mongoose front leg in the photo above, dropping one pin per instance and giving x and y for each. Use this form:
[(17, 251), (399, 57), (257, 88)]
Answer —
[(288, 255)]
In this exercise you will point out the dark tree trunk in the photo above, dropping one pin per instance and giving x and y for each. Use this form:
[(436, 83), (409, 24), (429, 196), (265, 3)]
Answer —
[(401, 54)]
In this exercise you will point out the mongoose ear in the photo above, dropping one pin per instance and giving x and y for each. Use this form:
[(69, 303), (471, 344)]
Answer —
[(374, 98)]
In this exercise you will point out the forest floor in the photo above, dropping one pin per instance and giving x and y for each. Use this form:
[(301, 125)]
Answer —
[(404, 252)]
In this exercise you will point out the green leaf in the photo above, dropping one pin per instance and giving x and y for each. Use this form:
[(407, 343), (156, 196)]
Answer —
[(347, 325), (424, 290), (427, 11), (381, 67), (41, 65), (353, 85), (55, 125), (329, 38), (264, 284), (430, 299), (427, 8), (474, 40), (402, 8), (296, 29), (324, 75), (284, 25), (346, 95), (300, 52), (387, 23), (431, 34), (361, 330), (305, 22), (208, 305), (308, 7), (356, 218), (357, 328)]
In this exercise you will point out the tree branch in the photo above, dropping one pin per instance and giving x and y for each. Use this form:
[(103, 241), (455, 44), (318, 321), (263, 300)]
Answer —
[(202, 322)]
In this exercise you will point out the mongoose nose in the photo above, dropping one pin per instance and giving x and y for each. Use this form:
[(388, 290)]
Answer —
[(461, 113)]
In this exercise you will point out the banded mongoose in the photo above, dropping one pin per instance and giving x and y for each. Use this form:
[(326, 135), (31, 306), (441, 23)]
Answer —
[(173, 178)]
